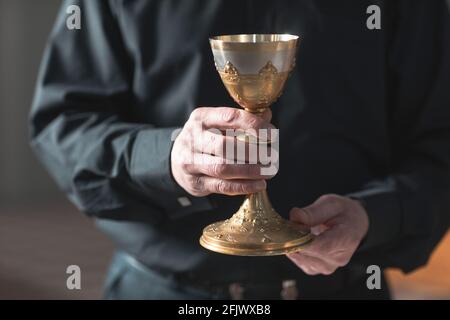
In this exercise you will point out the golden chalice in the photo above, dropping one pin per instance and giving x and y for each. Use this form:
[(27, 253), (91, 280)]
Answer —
[(254, 69)]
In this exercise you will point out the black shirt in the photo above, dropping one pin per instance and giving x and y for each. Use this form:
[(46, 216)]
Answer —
[(365, 113)]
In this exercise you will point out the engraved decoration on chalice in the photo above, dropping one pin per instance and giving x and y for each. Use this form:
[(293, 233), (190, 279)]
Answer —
[(254, 69)]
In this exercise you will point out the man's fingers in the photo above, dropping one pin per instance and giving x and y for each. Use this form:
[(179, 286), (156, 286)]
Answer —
[(321, 211), (340, 224), (311, 265), (331, 246), (218, 168), (299, 215), (231, 187), (229, 118), (323, 244), (212, 141)]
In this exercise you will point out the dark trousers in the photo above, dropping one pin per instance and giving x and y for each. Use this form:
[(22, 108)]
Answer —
[(129, 279)]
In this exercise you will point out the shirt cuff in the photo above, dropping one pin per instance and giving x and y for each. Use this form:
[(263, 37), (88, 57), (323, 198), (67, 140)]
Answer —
[(150, 169), (385, 216)]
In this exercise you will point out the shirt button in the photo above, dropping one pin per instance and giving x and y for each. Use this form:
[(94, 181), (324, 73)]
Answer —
[(184, 201)]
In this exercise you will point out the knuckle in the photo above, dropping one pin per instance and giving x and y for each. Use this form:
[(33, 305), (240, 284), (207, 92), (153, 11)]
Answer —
[(189, 131), (218, 169), (187, 135), (255, 122), (196, 193), (207, 141), (196, 183), (242, 188), (185, 166), (180, 158), (229, 115), (328, 197), (332, 200), (210, 138), (196, 114), (222, 186)]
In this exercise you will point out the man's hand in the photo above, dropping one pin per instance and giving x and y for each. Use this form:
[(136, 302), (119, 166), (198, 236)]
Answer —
[(198, 160), (340, 224)]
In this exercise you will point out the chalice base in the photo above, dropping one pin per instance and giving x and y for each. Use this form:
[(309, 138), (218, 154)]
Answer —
[(256, 229)]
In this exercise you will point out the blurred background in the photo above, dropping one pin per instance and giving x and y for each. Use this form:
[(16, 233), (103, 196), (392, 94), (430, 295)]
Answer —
[(41, 233)]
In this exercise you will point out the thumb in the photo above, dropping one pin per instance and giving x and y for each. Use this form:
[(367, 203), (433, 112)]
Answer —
[(322, 210)]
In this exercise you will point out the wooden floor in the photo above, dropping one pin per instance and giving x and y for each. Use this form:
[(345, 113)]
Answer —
[(37, 245)]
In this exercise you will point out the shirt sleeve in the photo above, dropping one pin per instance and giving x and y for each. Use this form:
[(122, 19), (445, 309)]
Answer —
[(109, 165), (409, 210)]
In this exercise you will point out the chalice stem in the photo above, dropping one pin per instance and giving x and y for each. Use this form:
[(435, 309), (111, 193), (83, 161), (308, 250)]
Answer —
[(257, 208)]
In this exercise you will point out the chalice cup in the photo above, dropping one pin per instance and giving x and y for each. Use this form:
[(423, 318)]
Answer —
[(254, 69)]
